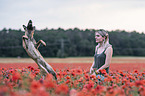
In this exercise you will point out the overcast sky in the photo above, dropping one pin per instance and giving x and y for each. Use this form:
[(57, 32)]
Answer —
[(126, 15)]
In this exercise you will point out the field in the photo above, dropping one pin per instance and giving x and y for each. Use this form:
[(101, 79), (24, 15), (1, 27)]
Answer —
[(21, 77), (118, 63)]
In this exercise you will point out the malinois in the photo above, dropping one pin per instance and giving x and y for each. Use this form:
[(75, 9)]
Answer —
[(31, 47)]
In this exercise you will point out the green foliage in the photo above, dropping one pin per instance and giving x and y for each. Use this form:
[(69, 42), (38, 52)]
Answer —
[(71, 42)]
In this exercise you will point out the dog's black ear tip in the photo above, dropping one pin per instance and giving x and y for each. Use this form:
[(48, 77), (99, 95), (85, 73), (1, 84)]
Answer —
[(30, 21), (24, 26)]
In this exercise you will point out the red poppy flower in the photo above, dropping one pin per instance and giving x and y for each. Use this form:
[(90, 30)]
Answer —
[(16, 76), (62, 89)]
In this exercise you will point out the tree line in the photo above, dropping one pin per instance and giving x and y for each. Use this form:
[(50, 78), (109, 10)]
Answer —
[(71, 42)]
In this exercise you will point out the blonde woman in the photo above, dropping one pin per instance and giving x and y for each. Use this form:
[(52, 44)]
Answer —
[(103, 52)]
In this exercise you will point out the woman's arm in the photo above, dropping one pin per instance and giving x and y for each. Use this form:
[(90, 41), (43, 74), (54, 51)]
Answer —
[(91, 69), (108, 53)]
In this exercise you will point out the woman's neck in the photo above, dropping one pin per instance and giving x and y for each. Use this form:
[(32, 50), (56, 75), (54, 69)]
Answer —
[(101, 44)]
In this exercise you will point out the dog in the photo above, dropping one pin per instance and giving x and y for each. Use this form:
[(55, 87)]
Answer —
[(31, 47)]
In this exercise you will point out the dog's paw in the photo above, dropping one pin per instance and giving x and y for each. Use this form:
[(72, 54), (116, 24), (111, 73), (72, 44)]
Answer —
[(25, 37), (43, 42)]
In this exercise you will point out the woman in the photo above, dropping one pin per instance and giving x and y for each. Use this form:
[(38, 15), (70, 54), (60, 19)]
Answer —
[(103, 53)]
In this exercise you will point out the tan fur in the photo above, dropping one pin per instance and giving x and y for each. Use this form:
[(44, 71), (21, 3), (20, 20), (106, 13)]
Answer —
[(31, 47)]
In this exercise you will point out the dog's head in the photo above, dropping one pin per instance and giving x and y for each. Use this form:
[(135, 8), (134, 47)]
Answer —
[(29, 30)]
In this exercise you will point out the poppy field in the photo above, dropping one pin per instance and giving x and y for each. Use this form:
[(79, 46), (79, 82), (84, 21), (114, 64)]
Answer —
[(22, 77)]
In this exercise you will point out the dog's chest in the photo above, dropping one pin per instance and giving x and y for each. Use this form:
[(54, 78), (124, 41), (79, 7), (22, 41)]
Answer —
[(32, 51), (30, 44)]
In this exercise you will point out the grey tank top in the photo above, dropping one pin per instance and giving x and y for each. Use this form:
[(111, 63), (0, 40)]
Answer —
[(99, 59)]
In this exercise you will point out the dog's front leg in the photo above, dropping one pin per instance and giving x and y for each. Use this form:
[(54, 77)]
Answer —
[(39, 42), (24, 38)]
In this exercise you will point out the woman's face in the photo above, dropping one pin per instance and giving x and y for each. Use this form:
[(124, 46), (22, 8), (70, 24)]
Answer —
[(98, 37)]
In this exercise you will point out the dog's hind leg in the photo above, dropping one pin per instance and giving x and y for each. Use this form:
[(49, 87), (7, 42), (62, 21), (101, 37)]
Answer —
[(50, 70), (46, 67), (43, 70)]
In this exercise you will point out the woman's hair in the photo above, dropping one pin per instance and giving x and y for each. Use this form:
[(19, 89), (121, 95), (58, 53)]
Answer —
[(105, 34)]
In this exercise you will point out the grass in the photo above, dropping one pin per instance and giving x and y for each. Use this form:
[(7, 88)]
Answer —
[(74, 60)]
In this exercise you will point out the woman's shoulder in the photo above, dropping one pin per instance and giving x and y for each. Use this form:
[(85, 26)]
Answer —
[(97, 46), (109, 48)]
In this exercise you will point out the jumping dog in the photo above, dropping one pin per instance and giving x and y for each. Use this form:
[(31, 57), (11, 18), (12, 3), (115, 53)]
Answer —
[(31, 47)]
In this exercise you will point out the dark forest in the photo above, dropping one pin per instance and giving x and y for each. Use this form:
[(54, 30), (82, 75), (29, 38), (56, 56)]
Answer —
[(71, 42)]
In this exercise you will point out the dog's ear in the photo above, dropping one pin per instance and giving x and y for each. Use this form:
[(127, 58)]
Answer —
[(24, 27), (34, 27), (30, 21)]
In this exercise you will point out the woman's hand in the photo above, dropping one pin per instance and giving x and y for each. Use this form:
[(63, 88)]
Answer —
[(97, 71), (91, 70)]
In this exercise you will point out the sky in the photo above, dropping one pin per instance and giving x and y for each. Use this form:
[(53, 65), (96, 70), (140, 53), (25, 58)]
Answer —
[(128, 15)]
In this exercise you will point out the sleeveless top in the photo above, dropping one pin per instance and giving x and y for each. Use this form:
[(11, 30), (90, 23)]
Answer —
[(99, 59)]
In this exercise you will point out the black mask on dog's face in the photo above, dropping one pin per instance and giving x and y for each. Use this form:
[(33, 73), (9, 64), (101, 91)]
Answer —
[(29, 29), (29, 26)]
